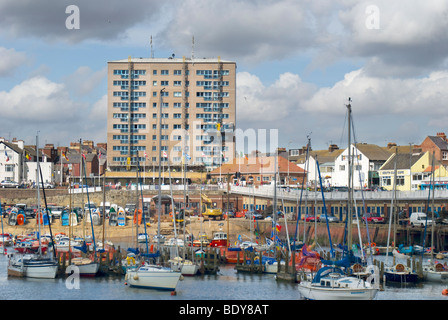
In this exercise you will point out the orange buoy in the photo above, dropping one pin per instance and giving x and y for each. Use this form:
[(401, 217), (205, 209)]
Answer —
[(445, 292), (20, 219), (173, 293)]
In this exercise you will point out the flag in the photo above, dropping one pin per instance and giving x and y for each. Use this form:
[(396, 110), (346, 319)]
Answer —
[(65, 156), (278, 227), (84, 156), (165, 155), (146, 156), (27, 156), (99, 155), (6, 155)]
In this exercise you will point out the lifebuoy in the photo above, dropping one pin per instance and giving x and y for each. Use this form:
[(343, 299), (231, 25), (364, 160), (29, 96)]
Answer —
[(373, 244)]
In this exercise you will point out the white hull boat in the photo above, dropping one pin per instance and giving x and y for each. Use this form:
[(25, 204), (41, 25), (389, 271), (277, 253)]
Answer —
[(436, 273), (330, 284), (33, 267), (83, 266), (153, 277)]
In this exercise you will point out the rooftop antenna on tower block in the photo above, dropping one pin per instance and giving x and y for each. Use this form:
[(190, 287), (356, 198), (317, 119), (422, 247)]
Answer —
[(192, 49), (150, 44)]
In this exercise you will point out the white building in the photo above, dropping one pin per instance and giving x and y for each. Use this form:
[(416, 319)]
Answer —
[(18, 163), (367, 159)]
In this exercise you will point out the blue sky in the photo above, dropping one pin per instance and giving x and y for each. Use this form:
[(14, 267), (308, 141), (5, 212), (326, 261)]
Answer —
[(297, 63)]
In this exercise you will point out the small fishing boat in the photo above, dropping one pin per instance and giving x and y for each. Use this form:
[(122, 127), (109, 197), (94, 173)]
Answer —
[(121, 217), (185, 267), (219, 239), (84, 266), (65, 218), (113, 217)]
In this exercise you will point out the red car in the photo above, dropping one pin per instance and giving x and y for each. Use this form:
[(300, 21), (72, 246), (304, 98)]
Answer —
[(373, 218), (310, 219)]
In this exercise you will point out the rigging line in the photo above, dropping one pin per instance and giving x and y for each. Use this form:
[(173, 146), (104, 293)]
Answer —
[(299, 211), (325, 210), (362, 195)]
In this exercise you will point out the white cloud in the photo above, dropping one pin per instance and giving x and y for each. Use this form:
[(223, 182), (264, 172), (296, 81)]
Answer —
[(10, 61), (84, 81)]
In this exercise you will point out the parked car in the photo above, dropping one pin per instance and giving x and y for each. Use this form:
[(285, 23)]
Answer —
[(48, 185), (30, 213), (56, 211), (373, 218), (310, 218), (253, 215), (419, 219), (9, 184), (329, 218)]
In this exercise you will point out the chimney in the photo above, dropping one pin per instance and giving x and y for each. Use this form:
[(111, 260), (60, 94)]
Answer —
[(333, 147), (442, 135), (391, 145)]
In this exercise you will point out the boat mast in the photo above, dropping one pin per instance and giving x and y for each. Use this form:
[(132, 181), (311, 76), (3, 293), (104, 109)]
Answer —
[(38, 194), (160, 168), (349, 204)]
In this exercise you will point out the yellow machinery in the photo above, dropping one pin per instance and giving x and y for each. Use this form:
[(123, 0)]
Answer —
[(208, 211)]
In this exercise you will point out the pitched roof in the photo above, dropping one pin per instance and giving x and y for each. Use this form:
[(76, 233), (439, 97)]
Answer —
[(257, 165), (404, 161), (439, 142), (373, 152)]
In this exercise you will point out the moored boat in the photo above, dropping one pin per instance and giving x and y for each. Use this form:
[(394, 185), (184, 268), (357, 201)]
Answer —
[(153, 277), (330, 283)]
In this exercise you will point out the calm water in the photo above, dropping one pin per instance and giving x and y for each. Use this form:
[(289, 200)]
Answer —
[(226, 285)]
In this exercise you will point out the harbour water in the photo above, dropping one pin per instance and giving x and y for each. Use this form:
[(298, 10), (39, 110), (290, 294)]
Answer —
[(227, 284)]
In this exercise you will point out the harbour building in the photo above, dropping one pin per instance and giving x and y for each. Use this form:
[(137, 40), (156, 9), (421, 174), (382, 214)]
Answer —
[(180, 111)]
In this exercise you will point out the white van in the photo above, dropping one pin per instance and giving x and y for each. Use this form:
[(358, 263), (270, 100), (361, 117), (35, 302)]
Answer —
[(419, 219)]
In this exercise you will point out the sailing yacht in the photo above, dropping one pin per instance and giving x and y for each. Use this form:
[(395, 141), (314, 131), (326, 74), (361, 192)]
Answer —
[(153, 276), (34, 265), (331, 282)]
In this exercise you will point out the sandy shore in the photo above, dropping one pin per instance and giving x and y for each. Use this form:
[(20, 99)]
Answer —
[(126, 235)]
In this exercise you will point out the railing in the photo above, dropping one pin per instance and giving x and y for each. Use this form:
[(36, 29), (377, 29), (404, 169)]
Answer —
[(294, 194)]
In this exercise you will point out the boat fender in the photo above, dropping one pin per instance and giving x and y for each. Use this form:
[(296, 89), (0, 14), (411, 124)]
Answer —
[(445, 292), (136, 277), (130, 260)]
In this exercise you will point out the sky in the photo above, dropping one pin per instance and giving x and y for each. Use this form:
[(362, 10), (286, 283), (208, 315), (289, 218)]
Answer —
[(298, 63)]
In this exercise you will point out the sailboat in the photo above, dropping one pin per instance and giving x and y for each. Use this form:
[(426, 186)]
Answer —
[(434, 271), (331, 282), (153, 276), (397, 272), (85, 266), (34, 265)]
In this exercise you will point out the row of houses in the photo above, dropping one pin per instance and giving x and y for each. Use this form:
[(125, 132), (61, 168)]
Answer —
[(18, 162), (373, 166)]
